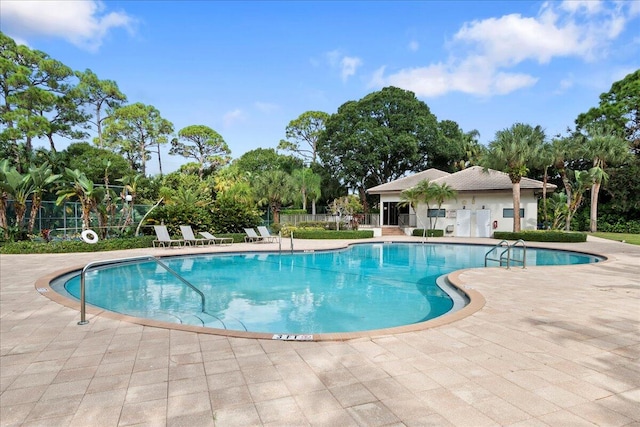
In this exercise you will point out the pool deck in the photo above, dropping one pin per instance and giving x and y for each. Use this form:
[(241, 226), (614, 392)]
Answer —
[(551, 346)]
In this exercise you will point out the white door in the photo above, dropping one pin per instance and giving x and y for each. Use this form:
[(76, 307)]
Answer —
[(463, 223), (483, 223)]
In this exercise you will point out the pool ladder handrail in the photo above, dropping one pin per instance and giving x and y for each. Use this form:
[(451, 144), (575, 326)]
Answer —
[(83, 303), (506, 258)]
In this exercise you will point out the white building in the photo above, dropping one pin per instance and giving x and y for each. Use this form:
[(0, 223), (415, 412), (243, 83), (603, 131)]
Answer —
[(484, 203)]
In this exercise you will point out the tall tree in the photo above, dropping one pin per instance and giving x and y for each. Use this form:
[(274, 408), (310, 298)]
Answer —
[(511, 151), (603, 147), (619, 110), (379, 138), (263, 159), (303, 134), (275, 188), (41, 179), (308, 184), (39, 100), (134, 129), (101, 97), (203, 144)]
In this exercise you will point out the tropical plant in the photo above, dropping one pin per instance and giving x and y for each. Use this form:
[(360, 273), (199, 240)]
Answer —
[(41, 179), (274, 188), (79, 187), (412, 197), (603, 147), (510, 152), (308, 185), (439, 192)]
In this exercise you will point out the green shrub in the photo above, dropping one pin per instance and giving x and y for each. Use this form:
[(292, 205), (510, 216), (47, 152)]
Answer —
[(173, 216), (632, 227), (542, 236), (430, 232), (332, 234), (67, 246), (229, 216)]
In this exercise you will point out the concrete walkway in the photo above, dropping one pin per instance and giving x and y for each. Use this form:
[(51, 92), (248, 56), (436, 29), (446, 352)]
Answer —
[(554, 346)]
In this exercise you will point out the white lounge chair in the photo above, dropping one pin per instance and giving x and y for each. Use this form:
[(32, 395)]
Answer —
[(216, 240), (164, 239), (190, 238), (252, 236), (264, 233)]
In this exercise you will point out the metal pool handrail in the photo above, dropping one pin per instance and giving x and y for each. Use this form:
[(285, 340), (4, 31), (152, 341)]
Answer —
[(502, 243), (83, 304), (501, 260)]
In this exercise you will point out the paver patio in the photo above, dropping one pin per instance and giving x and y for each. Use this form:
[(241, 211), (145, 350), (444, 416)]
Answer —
[(552, 346)]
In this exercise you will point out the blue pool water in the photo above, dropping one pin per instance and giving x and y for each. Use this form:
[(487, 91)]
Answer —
[(364, 287)]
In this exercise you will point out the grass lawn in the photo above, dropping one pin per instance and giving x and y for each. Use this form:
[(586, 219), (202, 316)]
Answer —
[(633, 239)]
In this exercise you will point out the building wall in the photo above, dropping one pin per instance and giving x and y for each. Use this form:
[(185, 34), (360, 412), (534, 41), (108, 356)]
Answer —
[(493, 201)]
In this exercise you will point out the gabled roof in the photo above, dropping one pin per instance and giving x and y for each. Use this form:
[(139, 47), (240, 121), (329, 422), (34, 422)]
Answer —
[(471, 179), (408, 181)]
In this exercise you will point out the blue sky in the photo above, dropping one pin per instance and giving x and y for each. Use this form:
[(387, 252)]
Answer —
[(248, 68)]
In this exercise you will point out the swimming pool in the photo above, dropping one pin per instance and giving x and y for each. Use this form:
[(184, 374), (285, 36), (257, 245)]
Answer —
[(363, 287)]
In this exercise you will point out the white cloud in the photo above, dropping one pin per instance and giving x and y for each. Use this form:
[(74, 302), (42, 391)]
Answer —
[(565, 84), (83, 23), (484, 51), (266, 107), (232, 117), (347, 65)]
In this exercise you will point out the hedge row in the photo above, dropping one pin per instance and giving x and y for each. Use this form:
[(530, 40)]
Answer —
[(542, 236), (332, 234), (419, 232), (67, 246)]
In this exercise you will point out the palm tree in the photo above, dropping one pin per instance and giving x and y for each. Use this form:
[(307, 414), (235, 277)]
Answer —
[(17, 186), (41, 179), (6, 187), (275, 187), (511, 152), (412, 197), (583, 180), (602, 147), (82, 188), (439, 193), (308, 184)]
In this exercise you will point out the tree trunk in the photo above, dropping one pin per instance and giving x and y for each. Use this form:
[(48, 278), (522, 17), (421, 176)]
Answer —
[(516, 207), (36, 202), (593, 224), (3, 210), (313, 207), (544, 195), (159, 159), (99, 127), (51, 143), (20, 209), (567, 189)]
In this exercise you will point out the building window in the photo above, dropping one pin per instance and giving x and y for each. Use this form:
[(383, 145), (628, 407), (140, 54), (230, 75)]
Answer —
[(439, 213), (508, 213)]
